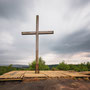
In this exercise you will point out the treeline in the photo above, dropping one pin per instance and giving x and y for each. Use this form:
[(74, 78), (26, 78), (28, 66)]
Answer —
[(43, 66), (60, 66), (78, 67), (5, 69)]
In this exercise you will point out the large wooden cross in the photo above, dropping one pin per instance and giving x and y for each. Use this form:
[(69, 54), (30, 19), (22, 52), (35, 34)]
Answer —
[(37, 33)]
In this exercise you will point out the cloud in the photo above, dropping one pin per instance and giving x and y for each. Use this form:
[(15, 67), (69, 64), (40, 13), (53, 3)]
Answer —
[(79, 3), (69, 19), (88, 55), (75, 42), (15, 9), (6, 37)]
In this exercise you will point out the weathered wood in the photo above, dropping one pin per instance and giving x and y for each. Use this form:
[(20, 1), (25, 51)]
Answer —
[(13, 74), (29, 33), (39, 32), (17, 75), (37, 44), (46, 32)]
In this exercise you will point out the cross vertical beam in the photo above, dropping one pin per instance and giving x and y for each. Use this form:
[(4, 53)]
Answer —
[(37, 44), (37, 33)]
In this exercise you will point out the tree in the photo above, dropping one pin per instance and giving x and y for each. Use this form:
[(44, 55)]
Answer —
[(42, 65), (54, 68), (81, 67), (63, 66), (4, 69), (88, 66)]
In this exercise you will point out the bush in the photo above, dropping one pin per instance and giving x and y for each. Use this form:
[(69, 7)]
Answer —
[(88, 66), (81, 67), (78, 67), (42, 65), (5, 69), (63, 66), (54, 68)]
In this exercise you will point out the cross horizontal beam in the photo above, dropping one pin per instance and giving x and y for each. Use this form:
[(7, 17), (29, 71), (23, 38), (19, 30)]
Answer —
[(39, 32)]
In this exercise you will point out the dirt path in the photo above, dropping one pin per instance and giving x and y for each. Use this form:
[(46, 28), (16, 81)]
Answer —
[(50, 84)]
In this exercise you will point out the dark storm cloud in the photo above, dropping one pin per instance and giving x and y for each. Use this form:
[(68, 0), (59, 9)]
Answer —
[(10, 59), (12, 47), (79, 3), (15, 48), (74, 43), (14, 8)]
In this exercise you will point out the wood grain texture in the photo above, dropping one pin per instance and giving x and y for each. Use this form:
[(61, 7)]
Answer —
[(43, 74), (39, 32)]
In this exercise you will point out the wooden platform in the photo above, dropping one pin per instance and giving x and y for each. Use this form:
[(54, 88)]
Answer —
[(20, 75)]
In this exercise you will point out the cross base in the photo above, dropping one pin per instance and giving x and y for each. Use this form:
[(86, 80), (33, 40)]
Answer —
[(37, 69)]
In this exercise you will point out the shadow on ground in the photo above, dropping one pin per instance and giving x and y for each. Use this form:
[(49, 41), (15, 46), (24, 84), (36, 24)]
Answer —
[(50, 84)]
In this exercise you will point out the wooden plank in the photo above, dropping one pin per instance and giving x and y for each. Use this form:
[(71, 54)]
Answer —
[(13, 74), (46, 32), (29, 33), (37, 45), (32, 74), (11, 79), (17, 75), (54, 74), (75, 74), (85, 72), (39, 32)]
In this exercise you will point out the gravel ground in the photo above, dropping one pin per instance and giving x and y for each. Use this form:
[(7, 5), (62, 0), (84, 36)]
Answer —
[(49, 84)]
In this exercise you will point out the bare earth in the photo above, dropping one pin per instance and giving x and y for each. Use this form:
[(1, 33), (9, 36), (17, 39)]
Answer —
[(48, 84)]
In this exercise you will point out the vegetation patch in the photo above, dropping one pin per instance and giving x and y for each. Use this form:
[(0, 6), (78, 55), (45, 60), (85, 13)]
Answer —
[(43, 66)]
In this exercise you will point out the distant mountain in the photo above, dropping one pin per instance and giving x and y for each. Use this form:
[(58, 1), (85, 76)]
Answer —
[(21, 66), (27, 66), (54, 65)]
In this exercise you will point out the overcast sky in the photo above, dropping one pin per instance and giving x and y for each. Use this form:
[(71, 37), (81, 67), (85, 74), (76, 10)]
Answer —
[(70, 20)]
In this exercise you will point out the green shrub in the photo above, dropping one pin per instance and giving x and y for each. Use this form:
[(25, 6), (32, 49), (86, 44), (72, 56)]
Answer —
[(88, 66), (42, 65), (78, 67), (5, 69), (54, 68), (63, 66), (81, 67)]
